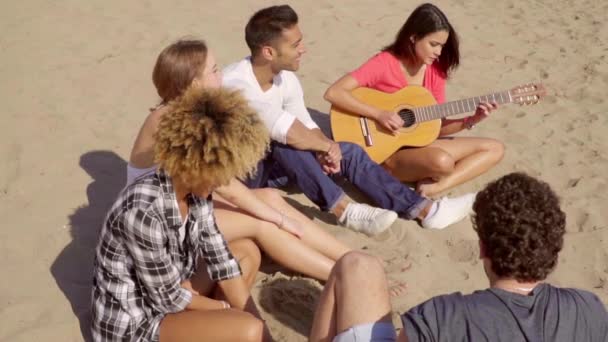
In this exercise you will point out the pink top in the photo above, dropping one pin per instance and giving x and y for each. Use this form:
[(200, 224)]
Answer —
[(383, 72)]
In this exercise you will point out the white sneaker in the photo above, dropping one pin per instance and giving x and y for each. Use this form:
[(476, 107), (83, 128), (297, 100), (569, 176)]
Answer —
[(367, 219), (449, 211)]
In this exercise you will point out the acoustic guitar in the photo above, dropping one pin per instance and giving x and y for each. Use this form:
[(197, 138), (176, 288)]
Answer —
[(421, 115)]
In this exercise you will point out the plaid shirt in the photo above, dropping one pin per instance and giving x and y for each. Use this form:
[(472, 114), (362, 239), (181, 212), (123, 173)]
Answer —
[(140, 263)]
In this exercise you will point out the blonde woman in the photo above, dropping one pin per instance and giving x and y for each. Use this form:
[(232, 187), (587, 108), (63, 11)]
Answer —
[(286, 235)]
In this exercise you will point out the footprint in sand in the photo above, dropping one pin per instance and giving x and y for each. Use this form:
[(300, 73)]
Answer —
[(290, 300), (397, 264), (582, 221), (463, 251)]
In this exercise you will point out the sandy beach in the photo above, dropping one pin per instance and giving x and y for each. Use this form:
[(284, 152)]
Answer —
[(75, 83)]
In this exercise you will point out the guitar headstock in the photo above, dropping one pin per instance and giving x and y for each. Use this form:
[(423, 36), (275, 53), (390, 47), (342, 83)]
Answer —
[(528, 94)]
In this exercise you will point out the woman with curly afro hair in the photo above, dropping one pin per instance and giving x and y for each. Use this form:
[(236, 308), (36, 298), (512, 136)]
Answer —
[(160, 252), (282, 232)]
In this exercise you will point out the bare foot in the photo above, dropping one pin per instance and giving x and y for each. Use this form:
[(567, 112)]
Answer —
[(397, 288)]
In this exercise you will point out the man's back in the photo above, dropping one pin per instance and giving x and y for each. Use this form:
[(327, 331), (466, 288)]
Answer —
[(547, 314)]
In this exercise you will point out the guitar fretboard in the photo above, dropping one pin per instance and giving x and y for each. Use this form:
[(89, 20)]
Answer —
[(435, 112)]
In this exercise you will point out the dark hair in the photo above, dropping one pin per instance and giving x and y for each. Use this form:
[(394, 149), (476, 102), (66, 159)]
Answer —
[(267, 24), (521, 225), (427, 19), (177, 66)]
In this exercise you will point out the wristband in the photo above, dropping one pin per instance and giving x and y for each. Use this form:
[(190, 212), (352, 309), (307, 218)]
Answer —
[(466, 124)]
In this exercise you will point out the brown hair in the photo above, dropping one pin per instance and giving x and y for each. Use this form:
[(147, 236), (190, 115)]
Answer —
[(177, 66), (521, 226), (267, 24), (424, 20), (210, 137)]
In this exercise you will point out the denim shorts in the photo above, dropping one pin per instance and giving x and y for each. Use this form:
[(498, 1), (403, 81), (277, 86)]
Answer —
[(368, 332)]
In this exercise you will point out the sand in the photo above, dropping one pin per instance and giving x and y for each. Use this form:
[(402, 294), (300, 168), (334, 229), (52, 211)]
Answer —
[(75, 80)]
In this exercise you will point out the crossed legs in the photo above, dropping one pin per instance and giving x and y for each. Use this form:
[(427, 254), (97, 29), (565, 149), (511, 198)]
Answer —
[(445, 163)]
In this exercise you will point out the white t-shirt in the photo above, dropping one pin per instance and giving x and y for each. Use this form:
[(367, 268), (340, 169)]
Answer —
[(278, 106)]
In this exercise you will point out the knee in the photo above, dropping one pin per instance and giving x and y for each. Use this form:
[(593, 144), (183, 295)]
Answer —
[(495, 148), (252, 252), (353, 152), (349, 149), (442, 163), (356, 264), (252, 329)]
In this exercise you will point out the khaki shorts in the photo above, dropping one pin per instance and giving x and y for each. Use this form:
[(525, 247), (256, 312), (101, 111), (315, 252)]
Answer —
[(369, 332)]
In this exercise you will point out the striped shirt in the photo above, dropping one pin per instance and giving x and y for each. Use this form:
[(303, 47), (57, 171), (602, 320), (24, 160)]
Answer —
[(140, 262)]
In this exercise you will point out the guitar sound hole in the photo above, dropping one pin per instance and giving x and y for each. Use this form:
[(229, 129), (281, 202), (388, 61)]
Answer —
[(408, 117)]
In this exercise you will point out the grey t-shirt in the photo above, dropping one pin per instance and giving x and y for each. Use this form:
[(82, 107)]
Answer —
[(547, 314)]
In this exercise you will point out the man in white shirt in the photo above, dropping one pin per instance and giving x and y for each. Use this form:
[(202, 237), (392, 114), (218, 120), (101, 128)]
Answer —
[(300, 150)]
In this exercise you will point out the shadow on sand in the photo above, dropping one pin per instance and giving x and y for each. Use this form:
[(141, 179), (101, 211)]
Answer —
[(73, 268)]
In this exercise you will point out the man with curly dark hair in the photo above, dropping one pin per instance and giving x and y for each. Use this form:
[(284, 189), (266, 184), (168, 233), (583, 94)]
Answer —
[(521, 231)]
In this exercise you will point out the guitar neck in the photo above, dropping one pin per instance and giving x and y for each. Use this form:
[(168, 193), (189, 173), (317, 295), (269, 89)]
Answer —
[(439, 111)]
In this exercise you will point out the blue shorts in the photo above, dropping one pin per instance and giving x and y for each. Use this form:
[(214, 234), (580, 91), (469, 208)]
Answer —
[(368, 332)]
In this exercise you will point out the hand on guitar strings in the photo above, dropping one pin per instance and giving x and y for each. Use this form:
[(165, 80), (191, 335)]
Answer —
[(390, 120), (483, 110)]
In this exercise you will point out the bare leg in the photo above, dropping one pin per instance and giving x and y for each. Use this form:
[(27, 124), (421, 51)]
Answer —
[(217, 325), (445, 163), (245, 252), (356, 293), (314, 236), (414, 164), (249, 258), (473, 156), (280, 245), (214, 325)]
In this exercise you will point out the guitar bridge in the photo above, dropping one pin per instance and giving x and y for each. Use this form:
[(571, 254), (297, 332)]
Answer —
[(365, 130)]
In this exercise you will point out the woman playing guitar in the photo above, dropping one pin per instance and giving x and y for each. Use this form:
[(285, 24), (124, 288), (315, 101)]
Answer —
[(424, 53)]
